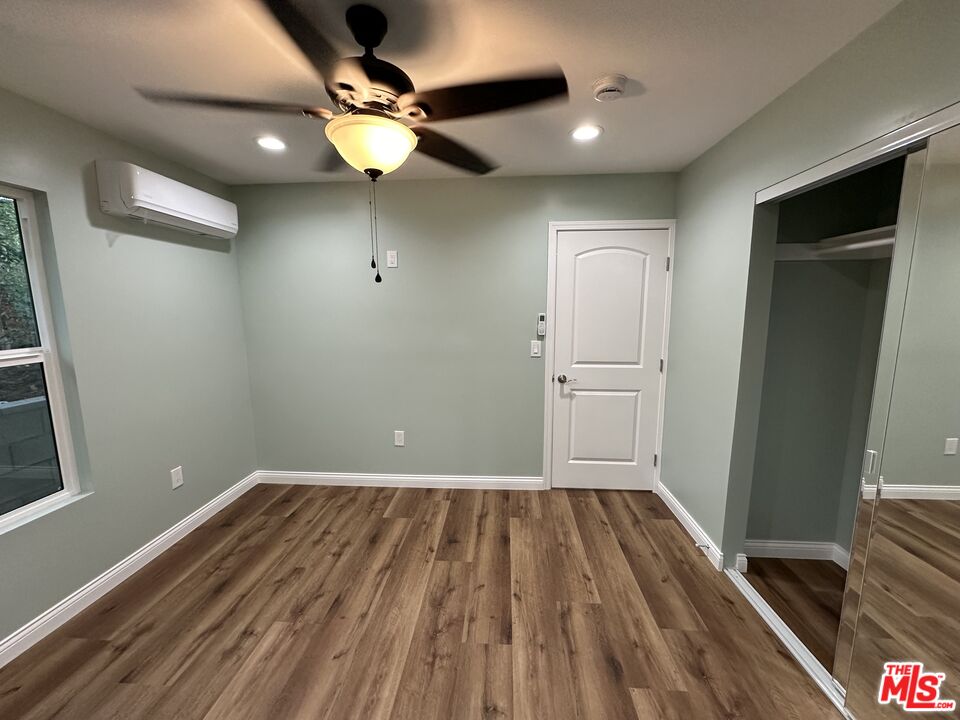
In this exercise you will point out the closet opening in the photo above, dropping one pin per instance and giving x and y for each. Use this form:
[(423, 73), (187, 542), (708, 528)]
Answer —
[(831, 272)]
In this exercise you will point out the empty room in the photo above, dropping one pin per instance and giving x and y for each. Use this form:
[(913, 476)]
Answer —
[(449, 360)]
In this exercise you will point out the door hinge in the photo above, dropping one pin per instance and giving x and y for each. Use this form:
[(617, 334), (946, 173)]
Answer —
[(668, 264), (661, 364), (655, 459)]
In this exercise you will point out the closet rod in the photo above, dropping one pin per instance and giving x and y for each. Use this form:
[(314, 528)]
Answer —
[(864, 245)]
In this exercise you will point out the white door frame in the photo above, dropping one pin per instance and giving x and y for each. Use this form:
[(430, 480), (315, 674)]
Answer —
[(554, 228)]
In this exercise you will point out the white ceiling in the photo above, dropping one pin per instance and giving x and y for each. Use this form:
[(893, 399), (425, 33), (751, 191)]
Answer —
[(698, 68)]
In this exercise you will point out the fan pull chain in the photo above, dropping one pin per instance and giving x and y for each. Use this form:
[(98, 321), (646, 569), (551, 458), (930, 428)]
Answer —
[(375, 236), (373, 261)]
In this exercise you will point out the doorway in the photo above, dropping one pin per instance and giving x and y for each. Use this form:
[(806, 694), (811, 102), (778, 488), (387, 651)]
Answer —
[(607, 319), (826, 321)]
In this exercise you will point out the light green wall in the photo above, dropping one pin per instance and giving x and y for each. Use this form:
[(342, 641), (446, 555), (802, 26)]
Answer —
[(824, 329), (440, 349), (151, 338), (898, 70), (924, 407)]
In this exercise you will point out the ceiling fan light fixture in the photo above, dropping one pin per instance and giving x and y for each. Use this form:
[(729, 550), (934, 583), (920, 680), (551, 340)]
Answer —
[(585, 133), (371, 142)]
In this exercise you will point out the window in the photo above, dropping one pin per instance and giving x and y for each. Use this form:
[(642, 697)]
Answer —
[(36, 459)]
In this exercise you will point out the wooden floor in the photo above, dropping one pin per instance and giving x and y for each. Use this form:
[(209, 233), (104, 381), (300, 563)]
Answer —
[(911, 596), (323, 603), (807, 595)]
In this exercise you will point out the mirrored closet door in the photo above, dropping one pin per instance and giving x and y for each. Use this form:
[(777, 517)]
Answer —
[(909, 607)]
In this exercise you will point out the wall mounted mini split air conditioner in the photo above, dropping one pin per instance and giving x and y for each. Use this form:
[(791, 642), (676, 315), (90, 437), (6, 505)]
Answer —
[(127, 190)]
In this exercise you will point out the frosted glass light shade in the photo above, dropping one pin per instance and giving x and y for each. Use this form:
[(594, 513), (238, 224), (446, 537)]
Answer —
[(371, 142)]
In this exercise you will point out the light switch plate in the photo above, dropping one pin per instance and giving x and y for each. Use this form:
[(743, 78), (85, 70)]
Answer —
[(950, 446), (398, 438), (176, 477), (535, 349), (391, 258)]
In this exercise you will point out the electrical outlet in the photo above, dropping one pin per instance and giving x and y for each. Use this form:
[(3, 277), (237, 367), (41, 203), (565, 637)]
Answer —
[(176, 477), (398, 439), (950, 446)]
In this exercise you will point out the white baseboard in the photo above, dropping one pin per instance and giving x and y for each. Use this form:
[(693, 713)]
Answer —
[(920, 492), (44, 624), (699, 535), (797, 550), (912, 492), (468, 482), (821, 676)]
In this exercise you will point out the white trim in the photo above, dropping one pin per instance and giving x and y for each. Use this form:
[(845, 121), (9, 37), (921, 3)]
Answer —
[(38, 508), (821, 676), (467, 482), (699, 535), (917, 492), (741, 565), (872, 152), (45, 623), (798, 550), (548, 350)]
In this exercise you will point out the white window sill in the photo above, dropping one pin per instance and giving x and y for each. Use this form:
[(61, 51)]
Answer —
[(38, 509)]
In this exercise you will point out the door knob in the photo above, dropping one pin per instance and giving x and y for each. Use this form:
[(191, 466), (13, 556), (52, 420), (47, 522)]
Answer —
[(563, 379)]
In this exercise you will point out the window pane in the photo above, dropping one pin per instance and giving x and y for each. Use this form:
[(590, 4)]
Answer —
[(18, 322), (29, 468)]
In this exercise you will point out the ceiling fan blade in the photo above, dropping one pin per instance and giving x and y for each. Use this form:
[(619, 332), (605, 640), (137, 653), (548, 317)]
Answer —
[(224, 103), (330, 161), (465, 100), (442, 148), (312, 43)]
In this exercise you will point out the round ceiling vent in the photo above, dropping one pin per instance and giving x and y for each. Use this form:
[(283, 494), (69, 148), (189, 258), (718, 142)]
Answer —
[(609, 87)]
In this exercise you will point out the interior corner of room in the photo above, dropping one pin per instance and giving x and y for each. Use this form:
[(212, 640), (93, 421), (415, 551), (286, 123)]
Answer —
[(623, 384)]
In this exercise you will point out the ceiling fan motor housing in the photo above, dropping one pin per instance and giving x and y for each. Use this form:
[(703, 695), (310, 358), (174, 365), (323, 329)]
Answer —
[(385, 84), (609, 88)]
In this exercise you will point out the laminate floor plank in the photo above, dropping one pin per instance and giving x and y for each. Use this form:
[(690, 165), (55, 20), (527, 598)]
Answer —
[(667, 601), (539, 653), (598, 678), (483, 689), (807, 595), (488, 618), (459, 541), (430, 669), (373, 676), (524, 504), (327, 603), (646, 661)]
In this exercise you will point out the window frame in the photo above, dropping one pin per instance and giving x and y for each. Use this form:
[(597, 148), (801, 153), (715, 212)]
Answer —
[(48, 358)]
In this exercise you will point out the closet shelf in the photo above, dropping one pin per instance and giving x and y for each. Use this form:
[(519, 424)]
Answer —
[(864, 245)]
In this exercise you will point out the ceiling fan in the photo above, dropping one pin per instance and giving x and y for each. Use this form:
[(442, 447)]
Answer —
[(381, 115)]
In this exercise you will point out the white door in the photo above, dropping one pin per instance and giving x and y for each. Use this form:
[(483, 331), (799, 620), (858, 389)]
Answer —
[(611, 292)]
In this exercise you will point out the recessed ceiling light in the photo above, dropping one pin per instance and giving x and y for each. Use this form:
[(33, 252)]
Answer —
[(269, 142), (586, 132)]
